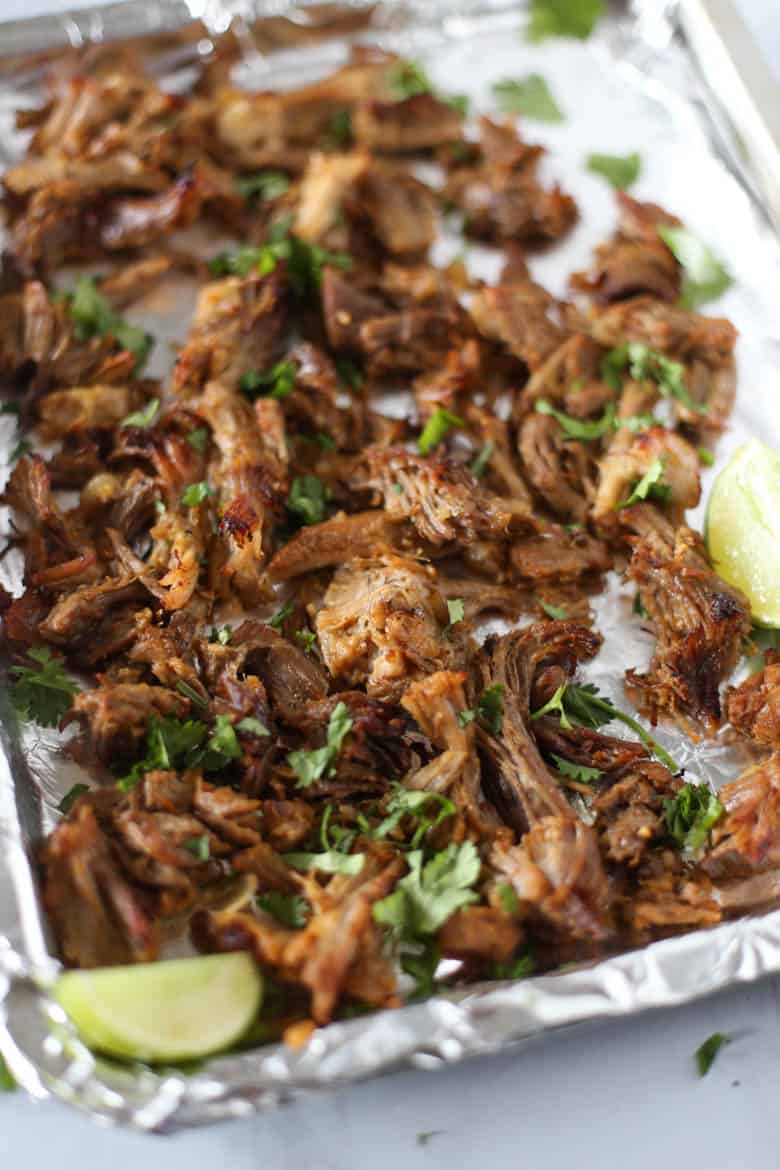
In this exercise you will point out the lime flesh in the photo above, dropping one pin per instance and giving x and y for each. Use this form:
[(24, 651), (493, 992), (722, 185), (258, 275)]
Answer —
[(743, 528), (180, 1009)]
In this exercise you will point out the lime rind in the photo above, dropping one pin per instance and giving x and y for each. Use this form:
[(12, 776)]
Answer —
[(742, 528), (174, 1010)]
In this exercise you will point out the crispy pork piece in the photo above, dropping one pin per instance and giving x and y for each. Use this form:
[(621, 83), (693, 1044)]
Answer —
[(624, 465), (480, 932), (635, 261), (117, 716), (93, 408), (451, 385), (570, 377), (334, 541), (382, 623), (400, 209), (412, 340), (630, 813), (560, 470), (558, 555), (314, 399), (697, 618), (238, 328), (679, 333), (326, 182), (583, 745), (522, 316), (440, 497), (420, 122), (347, 307), (747, 839), (753, 708)]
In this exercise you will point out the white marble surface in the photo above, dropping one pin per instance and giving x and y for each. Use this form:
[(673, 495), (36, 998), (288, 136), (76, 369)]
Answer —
[(623, 1096)]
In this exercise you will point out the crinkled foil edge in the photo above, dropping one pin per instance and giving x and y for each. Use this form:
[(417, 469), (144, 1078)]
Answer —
[(35, 1037)]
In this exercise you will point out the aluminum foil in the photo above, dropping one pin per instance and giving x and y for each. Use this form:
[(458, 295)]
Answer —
[(635, 85)]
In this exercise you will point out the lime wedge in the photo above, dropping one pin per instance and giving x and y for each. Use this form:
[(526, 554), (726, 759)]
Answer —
[(742, 528), (180, 1009)]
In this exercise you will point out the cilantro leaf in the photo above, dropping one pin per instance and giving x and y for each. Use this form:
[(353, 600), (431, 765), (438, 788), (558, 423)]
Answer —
[(307, 639), (222, 635), (555, 704), (44, 693), (196, 493), (308, 499), (338, 131), (23, 447), (190, 693), (479, 464), (263, 186), (313, 765), (199, 847), (198, 439), (331, 862), (650, 486), (691, 814), (619, 170), (410, 802), (7, 1082), (280, 617), (93, 316), (647, 364), (426, 897), (489, 710), (436, 428), (279, 381), (508, 898), (456, 610), (170, 744), (706, 457), (406, 79), (143, 418), (520, 968), (705, 1054), (222, 745), (241, 262), (350, 376), (705, 276), (556, 612), (70, 798), (530, 96), (579, 428), (576, 771), (563, 18), (252, 726), (290, 909)]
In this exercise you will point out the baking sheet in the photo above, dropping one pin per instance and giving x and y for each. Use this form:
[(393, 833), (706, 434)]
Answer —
[(635, 85)]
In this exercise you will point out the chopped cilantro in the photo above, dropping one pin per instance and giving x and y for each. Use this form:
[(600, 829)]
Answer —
[(457, 611), (290, 909), (44, 693), (508, 898), (252, 726), (691, 814), (705, 276), (338, 131), (650, 486), (222, 635), (638, 607), (555, 704), (196, 493), (190, 693), (647, 364), (93, 316), (480, 462), (619, 170), (308, 499), (331, 862), (313, 765), (198, 439), (706, 456), (397, 489), (489, 710), (243, 260), (705, 1054), (279, 381), (145, 417), (425, 1135), (556, 612), (529, 96), (520, 968), (23, 447), (426, 897), (411, 802), (170, 744), (70, 798), (222, 745), (199, 847), (280, 617), (307, 639), (406, 79), (437, 426), (7, 1082), (349, 374), (578, 428), (576, 771), (10, 408), (563, 18), (263, 186)]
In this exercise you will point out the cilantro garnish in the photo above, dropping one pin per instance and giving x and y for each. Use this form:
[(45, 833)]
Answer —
[(198, 439), (456, 610), (705, 1054), (196, 493), (279, 381), (578, 428), (691, 814), (338, 131), (222, 745), (706, 457), (576, 771), (520, 968), (331, 862), (199, 847), (530, 96), (489, 710), (70, 798), (263, 186), (222, 635), (43, 693), (290, 909), (190, 693), (307, 639), (705, 276), (252, 726), (280, 617), (7, 1082), (313, 765), (581, 705), (556, 612), (143, 418), (308, 499), (406, 79), (479, 463), (647, 364), (436, 428), (176, 745), (619, 170), (93, 316), (426, 897), (563, 18), (241, 262), (349, 375), (651, 486), (23, 447), (508, 898), (410, 802)]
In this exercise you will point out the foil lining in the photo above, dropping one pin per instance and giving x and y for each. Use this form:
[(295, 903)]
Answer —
[(635, 85)]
